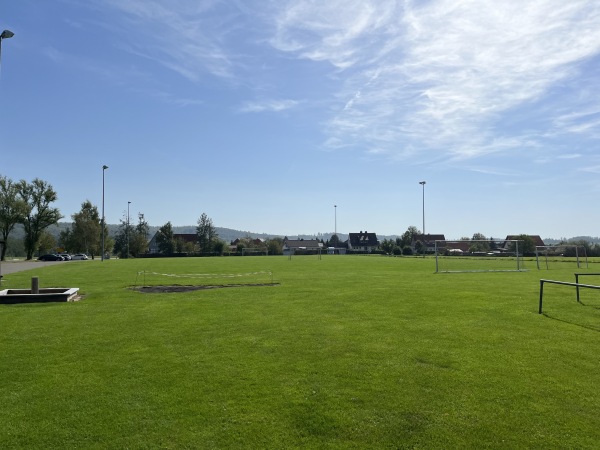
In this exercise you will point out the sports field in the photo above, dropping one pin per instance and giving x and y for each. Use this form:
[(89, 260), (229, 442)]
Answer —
[(342, 352)]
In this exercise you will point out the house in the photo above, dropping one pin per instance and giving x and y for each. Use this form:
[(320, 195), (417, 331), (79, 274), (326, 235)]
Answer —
[(363, 241), (428, 241), (290, 246), (537, 240), (186, 238)]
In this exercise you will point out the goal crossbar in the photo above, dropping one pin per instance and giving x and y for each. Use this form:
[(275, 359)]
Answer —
[(485, 255)]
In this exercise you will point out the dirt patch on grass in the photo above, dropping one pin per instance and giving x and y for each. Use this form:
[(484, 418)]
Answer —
[(179, 288)]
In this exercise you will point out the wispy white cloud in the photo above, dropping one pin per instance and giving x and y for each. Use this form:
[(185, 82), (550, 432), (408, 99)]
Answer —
[(447, 71), (267, 106), (183, 36), (423, 81)]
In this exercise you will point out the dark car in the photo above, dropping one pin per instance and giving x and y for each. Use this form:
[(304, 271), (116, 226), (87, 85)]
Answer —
[(50, 257)]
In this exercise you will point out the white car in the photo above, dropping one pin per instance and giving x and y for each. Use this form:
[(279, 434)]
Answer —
[(79, 256)]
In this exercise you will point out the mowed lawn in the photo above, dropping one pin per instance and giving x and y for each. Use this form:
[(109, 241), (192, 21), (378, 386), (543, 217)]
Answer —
[(346, 352)]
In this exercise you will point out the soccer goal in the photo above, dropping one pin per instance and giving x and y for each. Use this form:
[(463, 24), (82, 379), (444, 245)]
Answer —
[(173, 281), (255, 252), (561, 256), (479, 256)]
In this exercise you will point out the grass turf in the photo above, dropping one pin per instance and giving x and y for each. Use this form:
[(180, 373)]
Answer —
[(347, 352)]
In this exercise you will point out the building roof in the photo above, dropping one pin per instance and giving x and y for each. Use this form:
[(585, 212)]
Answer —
[(298, 243), (189, 237), (363, 239), (428, 237), (537, 240)]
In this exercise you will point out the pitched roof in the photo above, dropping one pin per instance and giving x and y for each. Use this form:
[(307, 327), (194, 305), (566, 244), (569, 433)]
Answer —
[(537, 240), (297, 243), (363, 239), (189, 237), (428, 237)]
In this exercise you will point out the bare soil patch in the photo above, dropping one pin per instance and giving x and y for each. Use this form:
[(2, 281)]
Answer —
[(179, 288)]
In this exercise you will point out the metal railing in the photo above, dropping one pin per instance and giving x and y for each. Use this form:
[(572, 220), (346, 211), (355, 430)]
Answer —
[(566, 283)]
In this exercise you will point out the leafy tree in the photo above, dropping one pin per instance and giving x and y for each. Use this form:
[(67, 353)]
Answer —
[(86, 230), (207, 234), (37, 196), (388, 245), (275, 246), (479, 246), (419, 246), (46, 243), (526, 245), (182, 246), (408, 236), (219, 246), (12, 210), (65, 240), (335, 241), (129, 240), (138, 241), (165, 240)]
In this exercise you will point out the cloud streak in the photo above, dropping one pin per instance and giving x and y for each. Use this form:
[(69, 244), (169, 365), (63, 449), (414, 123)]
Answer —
[(442, 74), (442, 80)]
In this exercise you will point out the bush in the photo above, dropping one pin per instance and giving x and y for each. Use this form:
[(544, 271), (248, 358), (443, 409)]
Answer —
[(407, 250)]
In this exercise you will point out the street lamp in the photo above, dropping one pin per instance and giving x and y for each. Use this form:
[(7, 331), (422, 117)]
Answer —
[(103, 169), (128, 203), (422, 183), (335, 219), (5, 35)]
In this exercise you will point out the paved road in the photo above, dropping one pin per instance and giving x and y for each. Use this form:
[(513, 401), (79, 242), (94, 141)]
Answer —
[(7, 267)]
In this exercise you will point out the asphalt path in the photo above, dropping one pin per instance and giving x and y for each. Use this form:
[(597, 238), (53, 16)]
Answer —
[(7, 267)]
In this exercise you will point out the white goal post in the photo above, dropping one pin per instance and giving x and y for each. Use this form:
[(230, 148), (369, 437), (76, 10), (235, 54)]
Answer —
[(252, 251), (474, 255), (560, 254)]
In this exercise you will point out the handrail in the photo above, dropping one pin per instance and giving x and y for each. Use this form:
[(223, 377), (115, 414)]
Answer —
[(564, 283)]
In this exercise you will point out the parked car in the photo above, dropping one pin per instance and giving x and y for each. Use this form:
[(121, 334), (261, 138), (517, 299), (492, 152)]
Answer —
[(79, 256), (65, 256), (50, 257)]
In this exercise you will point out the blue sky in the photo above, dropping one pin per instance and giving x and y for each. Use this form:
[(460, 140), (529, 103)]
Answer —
[(265, 114)]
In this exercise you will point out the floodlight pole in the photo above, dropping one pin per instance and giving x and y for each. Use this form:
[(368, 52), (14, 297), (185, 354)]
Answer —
[(6, 34), (128, 203), (103, 220), (422, 183), (335, 219)]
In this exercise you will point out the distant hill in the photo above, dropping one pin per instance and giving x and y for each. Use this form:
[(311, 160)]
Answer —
[(229, 234)]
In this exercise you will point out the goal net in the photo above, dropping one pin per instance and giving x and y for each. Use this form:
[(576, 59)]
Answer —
[(204, 279), (479, 256), (254, 252), (563, 256)]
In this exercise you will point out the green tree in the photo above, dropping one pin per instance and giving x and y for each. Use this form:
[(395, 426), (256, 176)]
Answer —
[(275, 246), (138, 241), (207, 234), (86, 230), (165, 240), (37, 196), (408, 236), (46, 243), (12, 210), (526, 245), (479, 246)]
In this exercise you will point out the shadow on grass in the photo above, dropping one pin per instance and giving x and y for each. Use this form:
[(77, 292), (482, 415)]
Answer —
[(581, 325)]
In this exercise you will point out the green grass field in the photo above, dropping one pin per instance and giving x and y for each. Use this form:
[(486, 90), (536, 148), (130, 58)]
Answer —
[(346, 352)]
